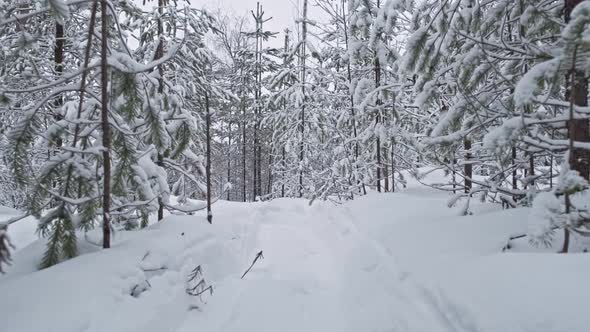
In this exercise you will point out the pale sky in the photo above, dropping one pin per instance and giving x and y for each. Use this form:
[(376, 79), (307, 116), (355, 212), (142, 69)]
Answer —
[(283, 12)]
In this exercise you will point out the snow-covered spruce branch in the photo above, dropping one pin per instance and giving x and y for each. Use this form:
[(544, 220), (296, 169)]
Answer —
[(22, 17)]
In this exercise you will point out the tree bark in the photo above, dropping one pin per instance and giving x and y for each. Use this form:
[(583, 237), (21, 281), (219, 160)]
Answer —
[(385, 170), (229, 155), (577, 93), (208, 163), (377, 68), (532, 169), (283, 149), (578, 129), (255, 154), (392, 164), (514, 169), (377, 123), (244, 176), (468, 166), (59, 59), (59, 101), (259, 108), (352, 111), (106, 130), (302, 122), (159, 54), (454, 174)]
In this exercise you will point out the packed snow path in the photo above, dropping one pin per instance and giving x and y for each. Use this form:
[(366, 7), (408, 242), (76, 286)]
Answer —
[(320, 273), (392, 262)]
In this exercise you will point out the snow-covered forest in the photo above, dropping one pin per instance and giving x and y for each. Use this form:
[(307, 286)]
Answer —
[(378, 165)]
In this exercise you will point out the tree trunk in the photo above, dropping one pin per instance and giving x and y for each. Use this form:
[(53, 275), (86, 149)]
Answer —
[(514, 169), (392, 164), (284, 167), (566, 231), (385, 170), (159, 54), (229, 156), (106, 130), (302, 123), (270, 179), (454, 174), (532, 169), (59, 59), (377, 68), (208, 163), (352, 111), (577, 94), (259, 109), (468, 166), (579, 129), (22, 7), (244, 188), (283, 149), (256, 160), (59, 101)]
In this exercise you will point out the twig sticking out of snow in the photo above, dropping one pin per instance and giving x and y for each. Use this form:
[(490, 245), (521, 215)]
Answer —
[(196, 285), (508, 245), (258, 255), (140, 288)]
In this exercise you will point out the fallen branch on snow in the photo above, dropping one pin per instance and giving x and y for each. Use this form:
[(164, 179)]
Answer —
[(258, 255)]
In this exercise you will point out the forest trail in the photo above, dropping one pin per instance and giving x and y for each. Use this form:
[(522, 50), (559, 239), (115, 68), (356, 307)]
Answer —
[(321, 272), (396, 262)]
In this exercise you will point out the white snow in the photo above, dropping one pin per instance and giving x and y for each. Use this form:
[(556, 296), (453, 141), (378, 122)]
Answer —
[(385, 262), (21, 233)]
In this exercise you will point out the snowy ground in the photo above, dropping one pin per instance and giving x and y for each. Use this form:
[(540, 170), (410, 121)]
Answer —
[(391, 262)]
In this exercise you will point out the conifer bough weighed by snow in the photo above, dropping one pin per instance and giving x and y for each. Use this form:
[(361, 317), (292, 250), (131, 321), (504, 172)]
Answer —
[(88, 151)]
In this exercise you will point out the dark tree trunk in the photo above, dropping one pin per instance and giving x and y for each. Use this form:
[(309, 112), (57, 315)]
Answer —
[(59, 59), (208, 162), (259, 112), (514, 169), (454, 174), (283, 150), (385, 171), (59, 101), (468, 166), (532, 169), (106, 130), (577, 93), (377, 68), (578, 129), (244, 174), (566, 231), (284, 167), (256, 185), (392, 164), (159, 54), (302, 122), (229, 156), (270, 179)]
